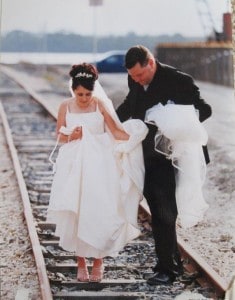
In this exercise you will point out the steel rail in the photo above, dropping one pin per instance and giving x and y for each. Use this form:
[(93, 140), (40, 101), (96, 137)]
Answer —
[(22, 81), (197, 263), (36, 247)]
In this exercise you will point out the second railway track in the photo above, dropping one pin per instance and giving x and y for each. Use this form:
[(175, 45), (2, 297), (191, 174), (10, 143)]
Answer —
[(33, 134)]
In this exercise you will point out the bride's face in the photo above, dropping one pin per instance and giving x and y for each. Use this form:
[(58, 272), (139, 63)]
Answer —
[(83, 96)]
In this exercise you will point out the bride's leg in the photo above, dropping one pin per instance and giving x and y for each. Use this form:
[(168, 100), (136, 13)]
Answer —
[(97, 270), (82, 274)]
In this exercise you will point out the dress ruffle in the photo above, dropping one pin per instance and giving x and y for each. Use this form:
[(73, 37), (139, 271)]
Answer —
[(186, 135)]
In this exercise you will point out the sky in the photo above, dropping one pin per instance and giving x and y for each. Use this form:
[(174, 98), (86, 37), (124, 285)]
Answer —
[(114, 17)]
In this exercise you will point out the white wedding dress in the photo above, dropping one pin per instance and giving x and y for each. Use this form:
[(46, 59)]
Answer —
[(186, 135), (97, 187)]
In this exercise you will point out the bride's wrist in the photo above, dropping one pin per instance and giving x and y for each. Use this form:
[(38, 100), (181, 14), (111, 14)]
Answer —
[(69, 139)]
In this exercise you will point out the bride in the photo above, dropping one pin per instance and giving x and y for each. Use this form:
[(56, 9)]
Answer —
[(99, 175)]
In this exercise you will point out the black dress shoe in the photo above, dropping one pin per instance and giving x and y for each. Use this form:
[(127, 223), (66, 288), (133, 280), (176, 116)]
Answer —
[(147, 275), (161, 278), (177, 269)]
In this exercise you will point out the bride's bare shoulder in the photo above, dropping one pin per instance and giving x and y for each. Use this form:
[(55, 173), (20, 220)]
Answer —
[(99, 103), (66, 103)]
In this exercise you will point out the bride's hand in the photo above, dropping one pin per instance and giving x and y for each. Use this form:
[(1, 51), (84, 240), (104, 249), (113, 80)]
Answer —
[(76, 134)]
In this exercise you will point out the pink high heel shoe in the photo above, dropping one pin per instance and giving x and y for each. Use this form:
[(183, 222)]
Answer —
[(83, 275), (97, 274)]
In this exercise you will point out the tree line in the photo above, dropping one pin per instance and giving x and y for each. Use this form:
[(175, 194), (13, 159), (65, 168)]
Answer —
[(22, 41)]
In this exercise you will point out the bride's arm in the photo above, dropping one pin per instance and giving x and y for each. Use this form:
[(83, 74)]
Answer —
[(61, 122), (118, 133)]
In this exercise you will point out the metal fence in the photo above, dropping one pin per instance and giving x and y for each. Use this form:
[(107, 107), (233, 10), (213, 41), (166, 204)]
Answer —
[(210, 62)]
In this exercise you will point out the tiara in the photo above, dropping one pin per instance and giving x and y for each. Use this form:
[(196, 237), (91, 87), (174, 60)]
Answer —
[(80, 74)]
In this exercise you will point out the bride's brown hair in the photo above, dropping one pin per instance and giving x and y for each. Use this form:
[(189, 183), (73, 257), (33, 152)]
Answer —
[(85, 75)]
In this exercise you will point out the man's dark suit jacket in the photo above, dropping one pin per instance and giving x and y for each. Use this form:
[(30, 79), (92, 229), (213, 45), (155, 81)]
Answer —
[(167, 84)]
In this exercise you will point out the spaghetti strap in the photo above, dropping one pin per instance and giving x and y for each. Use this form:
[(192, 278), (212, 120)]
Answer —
[(97, 106)]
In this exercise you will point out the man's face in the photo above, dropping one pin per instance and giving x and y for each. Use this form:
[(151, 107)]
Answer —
[(142, 75)]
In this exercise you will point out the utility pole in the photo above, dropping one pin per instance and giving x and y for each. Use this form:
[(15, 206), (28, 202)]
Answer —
[(95, 3)]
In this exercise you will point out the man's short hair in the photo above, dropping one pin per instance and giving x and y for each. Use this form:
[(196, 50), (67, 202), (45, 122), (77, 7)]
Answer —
[(137, 54)]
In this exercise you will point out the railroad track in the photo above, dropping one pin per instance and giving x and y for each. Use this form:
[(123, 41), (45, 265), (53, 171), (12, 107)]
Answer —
[(30, 130)]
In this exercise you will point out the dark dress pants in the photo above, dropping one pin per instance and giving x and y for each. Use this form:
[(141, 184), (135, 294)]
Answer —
[(159, 191)]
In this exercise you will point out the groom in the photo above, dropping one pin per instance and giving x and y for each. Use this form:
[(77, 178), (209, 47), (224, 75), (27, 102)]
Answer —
[(151, 82)]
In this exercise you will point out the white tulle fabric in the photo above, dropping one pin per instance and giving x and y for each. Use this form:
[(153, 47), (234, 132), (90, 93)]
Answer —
[(180, 124), (97, 187)]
